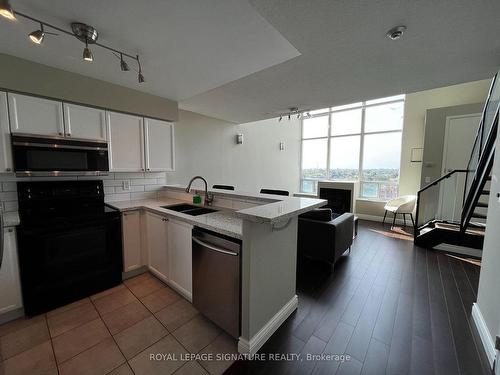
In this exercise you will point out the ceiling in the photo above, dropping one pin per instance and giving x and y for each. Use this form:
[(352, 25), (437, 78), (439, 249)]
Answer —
[(186, 47), (345, 56), (244, 60)]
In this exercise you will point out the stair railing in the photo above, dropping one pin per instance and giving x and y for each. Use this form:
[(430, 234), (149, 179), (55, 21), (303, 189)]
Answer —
[(481, 174), (417, 226)]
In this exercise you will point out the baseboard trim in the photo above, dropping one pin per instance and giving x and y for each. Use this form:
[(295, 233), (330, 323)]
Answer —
[(388, 219), (462, 250), (487, 341), (253, 345), (11, 315)]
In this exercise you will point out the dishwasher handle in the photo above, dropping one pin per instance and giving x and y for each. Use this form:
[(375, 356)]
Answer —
[(212, 247)]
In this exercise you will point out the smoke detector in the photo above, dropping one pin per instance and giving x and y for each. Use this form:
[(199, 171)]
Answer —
[(396, 32)]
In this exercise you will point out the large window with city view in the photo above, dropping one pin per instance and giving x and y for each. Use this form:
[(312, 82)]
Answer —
[(355, 142)]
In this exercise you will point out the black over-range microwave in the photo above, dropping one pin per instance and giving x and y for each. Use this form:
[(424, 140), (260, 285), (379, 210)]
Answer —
[(46, 156)]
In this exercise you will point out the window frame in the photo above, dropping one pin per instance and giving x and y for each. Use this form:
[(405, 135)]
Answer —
[(363, 106)]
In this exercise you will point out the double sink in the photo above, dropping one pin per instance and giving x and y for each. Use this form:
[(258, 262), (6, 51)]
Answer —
[(190, 209)]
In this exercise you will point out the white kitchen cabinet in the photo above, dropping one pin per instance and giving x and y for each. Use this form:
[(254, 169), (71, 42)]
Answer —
[(84, 122), (126, 142), (180, 256), (10, 292), (157, 245), (33, 115), (159, 145), (5, 146), (132, 244)]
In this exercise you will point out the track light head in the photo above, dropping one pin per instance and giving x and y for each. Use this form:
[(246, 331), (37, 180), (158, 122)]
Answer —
[(140, 78), (87, 53), (37, 35), (123, 64), (6, 10)]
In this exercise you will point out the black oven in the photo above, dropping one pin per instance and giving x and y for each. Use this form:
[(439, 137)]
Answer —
[(70, 243), (58, 156)]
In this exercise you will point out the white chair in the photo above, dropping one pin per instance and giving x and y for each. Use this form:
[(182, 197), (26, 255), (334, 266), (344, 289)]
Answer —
[(402, 205)]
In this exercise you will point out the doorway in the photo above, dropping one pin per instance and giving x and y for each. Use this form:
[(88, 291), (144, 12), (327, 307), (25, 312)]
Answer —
[(460, 132)]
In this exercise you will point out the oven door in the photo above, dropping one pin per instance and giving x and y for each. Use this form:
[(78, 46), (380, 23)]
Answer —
[(65, 263), (44, 155)]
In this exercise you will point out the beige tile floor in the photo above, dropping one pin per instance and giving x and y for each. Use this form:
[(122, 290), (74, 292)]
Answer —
[(114, 332)]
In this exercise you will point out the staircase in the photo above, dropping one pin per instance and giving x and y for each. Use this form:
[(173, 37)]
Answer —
[(465, 224)]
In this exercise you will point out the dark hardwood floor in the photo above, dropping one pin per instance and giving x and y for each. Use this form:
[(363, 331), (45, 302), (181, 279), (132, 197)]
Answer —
[(393, 307)]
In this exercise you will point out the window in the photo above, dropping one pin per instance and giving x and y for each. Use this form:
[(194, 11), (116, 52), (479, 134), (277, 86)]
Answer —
[(355, 142)]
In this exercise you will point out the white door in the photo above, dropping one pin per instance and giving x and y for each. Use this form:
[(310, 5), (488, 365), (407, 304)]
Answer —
[(126, 142), (180, 260), (159, 145), (84, 122), (10, 292), (33, 115), (5, 147), (132, 250), (158, 245), (460, 133)]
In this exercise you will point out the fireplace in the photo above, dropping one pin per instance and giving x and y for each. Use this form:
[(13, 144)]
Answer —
[(340, 195)]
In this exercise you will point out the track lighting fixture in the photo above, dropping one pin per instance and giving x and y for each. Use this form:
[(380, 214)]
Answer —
[(123, 64), (37, 36), (6, 10), (140, 77), (87, 53), (294, 111), (85, 33)]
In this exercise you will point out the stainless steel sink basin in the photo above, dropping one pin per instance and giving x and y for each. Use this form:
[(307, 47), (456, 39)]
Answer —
[(190, 209)]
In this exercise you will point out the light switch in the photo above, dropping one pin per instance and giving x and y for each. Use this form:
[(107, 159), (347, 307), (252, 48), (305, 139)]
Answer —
[(427, 179), (126, 185)]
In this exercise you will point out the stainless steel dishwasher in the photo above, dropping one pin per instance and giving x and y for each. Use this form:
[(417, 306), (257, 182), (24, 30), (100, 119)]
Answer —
[(216, 279)]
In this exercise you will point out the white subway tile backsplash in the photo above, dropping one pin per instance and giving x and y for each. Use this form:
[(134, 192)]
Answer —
[(9, 186), (142, 186), (8, 196), (143, 181)]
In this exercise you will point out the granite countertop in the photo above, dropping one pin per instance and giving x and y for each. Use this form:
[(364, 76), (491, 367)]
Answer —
[(223, 221), (11, 219), (272, 208)]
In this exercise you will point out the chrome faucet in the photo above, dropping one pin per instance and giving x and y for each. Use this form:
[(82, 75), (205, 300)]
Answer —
[(209, 198)]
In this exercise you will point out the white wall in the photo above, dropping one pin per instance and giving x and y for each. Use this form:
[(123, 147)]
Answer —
[(207, 146), (416, 106), (488, 297)]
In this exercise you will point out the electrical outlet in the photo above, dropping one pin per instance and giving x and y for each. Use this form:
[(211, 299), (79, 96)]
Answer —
[(126, 185), (427, 180)]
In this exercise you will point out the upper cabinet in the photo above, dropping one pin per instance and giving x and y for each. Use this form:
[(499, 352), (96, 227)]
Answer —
[(126, 142), (5, 147), (84, 122), (159, 145), (33, 115)]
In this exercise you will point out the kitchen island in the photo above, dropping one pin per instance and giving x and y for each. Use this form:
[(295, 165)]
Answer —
[(266, 225)]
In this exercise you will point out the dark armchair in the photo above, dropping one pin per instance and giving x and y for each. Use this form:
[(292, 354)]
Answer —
[(323, 236)]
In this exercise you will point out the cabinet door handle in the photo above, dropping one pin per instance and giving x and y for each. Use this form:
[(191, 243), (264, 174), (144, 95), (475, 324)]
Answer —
[(8, 169), (68, 134), (61, 133)]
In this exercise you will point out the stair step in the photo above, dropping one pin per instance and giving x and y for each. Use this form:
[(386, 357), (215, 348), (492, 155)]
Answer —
[(485, 192), (479, 216), (481, 204)]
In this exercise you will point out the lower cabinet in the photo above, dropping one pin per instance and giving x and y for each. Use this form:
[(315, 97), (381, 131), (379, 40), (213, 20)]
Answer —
[(169, 251), (157, 245), (132, 244), (180, 256), (10, 292)]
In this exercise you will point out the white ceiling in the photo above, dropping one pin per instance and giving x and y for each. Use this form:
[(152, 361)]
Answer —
[(239, 60), (345, 56), (187, 46)]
